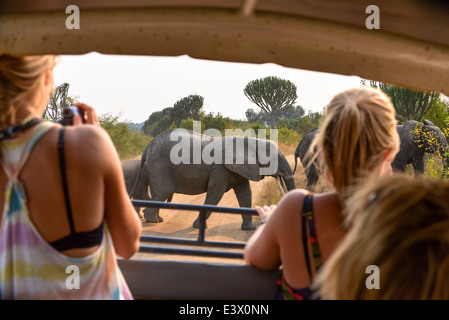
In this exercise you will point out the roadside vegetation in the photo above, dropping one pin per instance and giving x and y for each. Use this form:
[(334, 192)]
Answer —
[(275, 105)]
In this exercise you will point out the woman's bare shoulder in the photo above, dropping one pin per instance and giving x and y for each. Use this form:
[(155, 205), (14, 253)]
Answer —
[(87, 136), (290, 205), (89, 144), (91, 132), (294, 197)]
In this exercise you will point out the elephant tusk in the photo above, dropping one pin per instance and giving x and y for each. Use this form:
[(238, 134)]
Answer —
[(280, 185), (284, 185)]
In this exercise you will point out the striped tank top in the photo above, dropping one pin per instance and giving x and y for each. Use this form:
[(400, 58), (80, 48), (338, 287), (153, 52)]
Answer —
[(30, 268)]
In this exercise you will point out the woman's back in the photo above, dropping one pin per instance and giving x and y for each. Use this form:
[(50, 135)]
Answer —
[(357, 139), (64, 199), (35, 215), (42, 179)]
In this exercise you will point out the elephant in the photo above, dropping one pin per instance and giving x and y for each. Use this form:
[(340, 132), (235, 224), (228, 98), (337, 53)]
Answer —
[(131, 172), (212, 167), (302, 152), (415, 140)]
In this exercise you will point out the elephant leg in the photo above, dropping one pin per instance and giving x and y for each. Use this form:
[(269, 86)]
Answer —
[(418, 167), (312, 179), (214, 194), (312, 176), (141, 195), (168, 200), (152, 214), (244, 197)]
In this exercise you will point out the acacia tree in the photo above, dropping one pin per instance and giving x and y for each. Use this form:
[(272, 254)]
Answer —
[(409, 104), (59, 99), (272, 95)]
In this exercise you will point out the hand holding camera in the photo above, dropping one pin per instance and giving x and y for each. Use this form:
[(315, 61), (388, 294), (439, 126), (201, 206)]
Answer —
[(70, 115), (79, 113)]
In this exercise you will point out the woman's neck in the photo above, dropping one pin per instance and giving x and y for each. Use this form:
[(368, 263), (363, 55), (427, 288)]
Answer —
[(26, 112)]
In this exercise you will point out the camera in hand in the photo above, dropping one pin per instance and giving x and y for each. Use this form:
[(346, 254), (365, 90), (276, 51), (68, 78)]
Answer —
[(67, 116)]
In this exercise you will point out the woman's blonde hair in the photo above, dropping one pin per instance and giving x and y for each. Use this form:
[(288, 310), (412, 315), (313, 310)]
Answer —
[(401, 226), (359, 126), (19, 77)]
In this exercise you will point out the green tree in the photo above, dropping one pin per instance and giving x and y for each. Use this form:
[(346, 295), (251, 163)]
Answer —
[(218, 122), (438, 112), (252, 116), (157, 122), (187, 107), (59, 99), (310, 121), (272, 95), (409, 104), (290, 112), (129, 143)]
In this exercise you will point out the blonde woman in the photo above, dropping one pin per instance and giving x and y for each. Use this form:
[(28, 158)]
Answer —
[(66, 213), (397, 246), (358, 139)]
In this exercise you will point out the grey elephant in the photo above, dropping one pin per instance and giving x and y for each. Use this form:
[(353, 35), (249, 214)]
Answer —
[(187, 162), (311, 168), (416, 139), (131, 172)]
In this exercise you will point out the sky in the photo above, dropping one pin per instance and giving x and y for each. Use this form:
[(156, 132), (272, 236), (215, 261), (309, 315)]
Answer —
[(133, 87)]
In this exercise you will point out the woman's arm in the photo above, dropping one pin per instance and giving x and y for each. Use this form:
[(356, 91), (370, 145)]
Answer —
[(264, 249), (120, 215), (121, 218)]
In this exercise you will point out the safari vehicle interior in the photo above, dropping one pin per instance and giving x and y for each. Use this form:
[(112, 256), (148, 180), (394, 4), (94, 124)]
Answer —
[(410, 49)]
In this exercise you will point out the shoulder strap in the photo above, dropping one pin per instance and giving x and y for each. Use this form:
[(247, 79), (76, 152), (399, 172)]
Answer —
[(62, 166), (13, 130), (306, 207)]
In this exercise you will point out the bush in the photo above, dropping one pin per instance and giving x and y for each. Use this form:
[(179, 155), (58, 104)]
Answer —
[(288, 136), (130, 143)]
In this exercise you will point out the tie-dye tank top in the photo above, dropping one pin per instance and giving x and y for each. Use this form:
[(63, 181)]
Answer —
[(30, 268)]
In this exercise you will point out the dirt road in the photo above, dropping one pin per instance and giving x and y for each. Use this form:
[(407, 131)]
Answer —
[(221, 227)]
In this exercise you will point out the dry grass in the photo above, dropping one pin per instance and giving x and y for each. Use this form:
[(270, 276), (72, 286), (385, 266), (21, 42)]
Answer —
[(271, 193), (287, 148)]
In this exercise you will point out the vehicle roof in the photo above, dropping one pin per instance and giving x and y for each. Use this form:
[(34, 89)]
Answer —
[(411, 48)]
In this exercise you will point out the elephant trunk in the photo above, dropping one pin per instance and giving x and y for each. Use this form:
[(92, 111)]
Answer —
[(289, 183), (284, 174)]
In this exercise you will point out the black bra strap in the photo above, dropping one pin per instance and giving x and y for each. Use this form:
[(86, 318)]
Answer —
[(62, 166), (306, 207)]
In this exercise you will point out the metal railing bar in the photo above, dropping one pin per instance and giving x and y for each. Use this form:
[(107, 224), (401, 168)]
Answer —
[(237, 245), (191, 252), (201, 240), (192, 207)]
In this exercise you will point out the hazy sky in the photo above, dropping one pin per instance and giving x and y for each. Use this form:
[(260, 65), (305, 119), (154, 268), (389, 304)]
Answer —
[(135, 86)]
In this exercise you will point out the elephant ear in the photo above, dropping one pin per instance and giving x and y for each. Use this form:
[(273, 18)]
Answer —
[(240, 156)]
